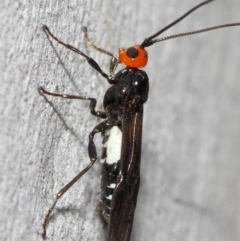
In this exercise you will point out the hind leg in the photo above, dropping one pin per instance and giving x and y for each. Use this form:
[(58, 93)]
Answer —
[(102, 214)]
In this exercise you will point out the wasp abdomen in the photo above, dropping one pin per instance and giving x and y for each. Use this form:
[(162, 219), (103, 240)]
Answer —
[(110, 167)]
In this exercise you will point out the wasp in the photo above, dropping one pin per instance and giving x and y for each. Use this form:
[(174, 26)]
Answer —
[(121, 128)]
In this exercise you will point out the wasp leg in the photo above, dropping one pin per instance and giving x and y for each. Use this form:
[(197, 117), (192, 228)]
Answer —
[(84, 29), (114, 61), (93, 158), (102, 214), (61, 192), (91, 61), (93, 101)]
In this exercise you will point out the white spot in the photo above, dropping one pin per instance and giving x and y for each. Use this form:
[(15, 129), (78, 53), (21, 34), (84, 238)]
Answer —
[(114, 145), (109, 197), (112, 185)]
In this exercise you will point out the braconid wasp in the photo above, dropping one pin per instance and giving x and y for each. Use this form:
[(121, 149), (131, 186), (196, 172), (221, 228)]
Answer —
[(121, 128)]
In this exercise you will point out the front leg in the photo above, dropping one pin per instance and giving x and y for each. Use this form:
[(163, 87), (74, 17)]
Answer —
[(114, 61), (91, 61)]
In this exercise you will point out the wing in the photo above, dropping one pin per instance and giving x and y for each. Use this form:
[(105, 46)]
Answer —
[(126, 191)]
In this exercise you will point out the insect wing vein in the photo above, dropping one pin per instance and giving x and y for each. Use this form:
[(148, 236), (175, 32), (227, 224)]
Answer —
[(125, 194)]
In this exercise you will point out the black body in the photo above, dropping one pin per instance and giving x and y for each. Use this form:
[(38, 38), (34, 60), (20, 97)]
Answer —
[(123, 103)]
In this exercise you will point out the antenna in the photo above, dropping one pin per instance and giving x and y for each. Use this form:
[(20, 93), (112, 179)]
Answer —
[(149, 41)]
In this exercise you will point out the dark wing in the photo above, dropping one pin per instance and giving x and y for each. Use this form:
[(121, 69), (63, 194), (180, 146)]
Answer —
[(126, 191)]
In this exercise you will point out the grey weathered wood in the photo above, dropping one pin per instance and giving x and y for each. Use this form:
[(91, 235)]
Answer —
[(191, 156)]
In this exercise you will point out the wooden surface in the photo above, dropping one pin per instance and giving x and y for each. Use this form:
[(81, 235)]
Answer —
[(191, 139)]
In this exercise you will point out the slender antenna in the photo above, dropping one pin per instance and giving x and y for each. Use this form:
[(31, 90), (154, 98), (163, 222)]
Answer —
[(148, 41), (195, 32)]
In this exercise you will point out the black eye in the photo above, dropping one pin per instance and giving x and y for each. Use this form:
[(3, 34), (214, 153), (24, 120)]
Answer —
[(132, 52)]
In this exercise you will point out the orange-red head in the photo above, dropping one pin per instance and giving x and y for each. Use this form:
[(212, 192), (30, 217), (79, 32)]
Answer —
[(134, 57)]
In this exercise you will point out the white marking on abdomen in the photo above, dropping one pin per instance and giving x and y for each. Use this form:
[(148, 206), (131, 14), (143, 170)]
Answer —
[(112, 185), (114, 145), (109, 197)]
